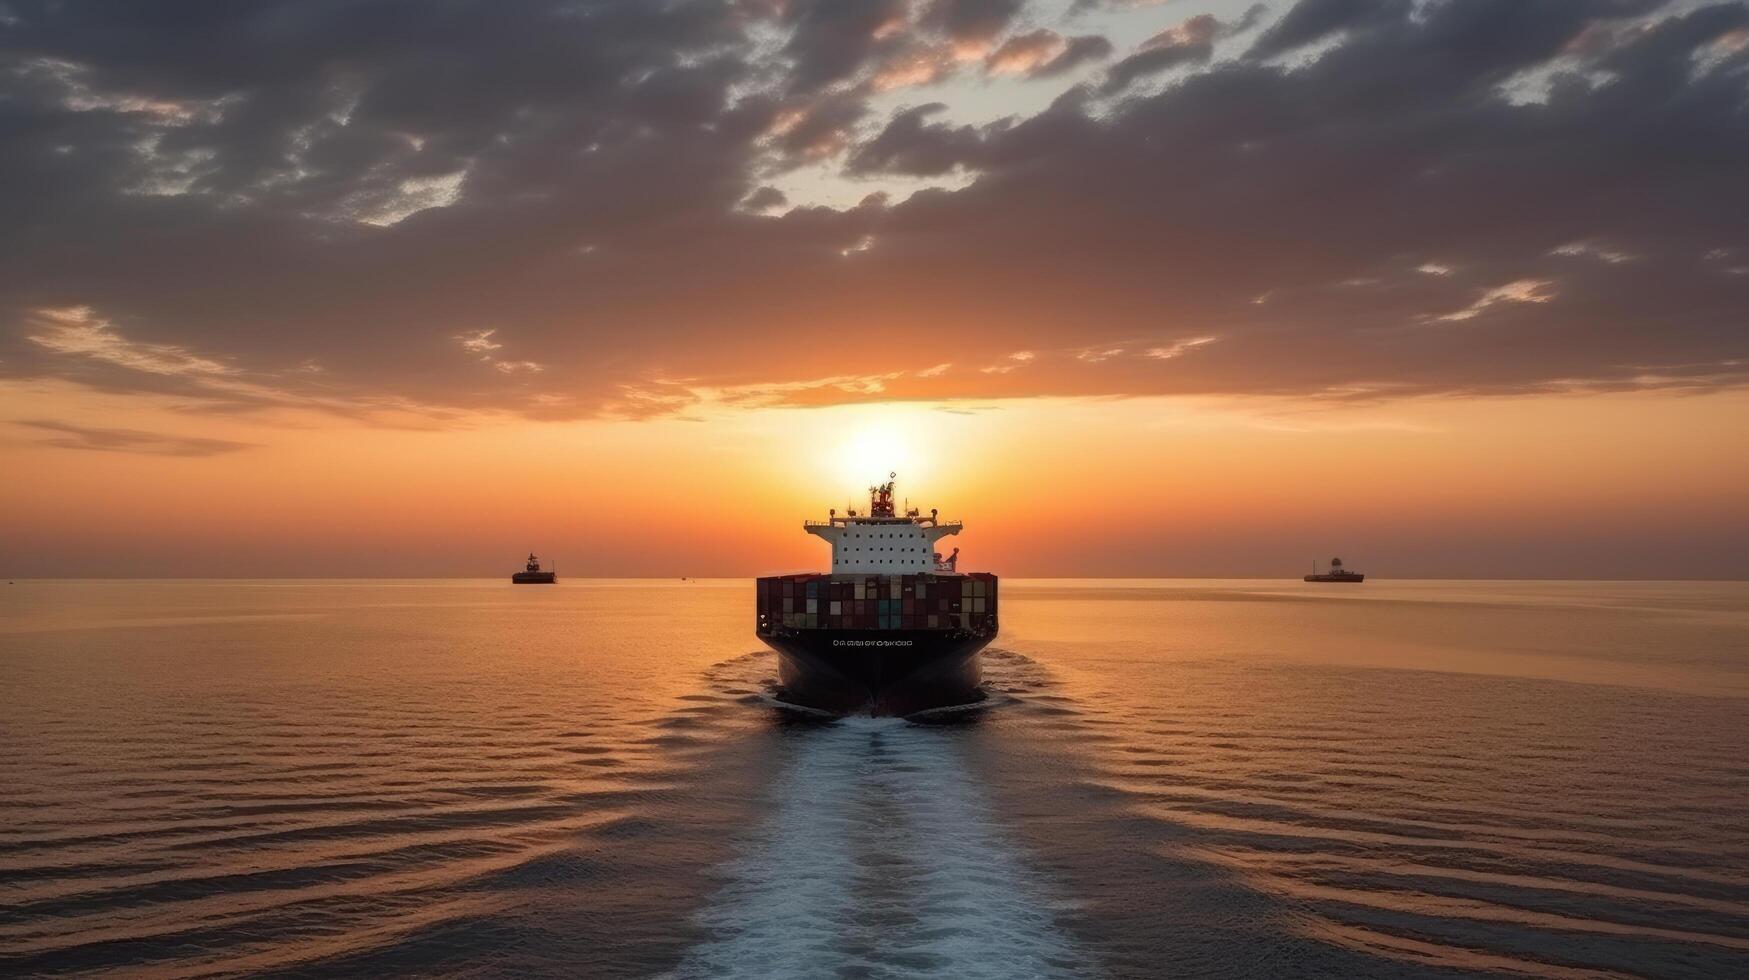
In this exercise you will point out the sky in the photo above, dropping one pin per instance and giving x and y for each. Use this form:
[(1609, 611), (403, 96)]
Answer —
[(1450, 288)]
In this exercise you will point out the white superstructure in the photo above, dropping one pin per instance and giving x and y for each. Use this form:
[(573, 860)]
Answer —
[(883, 541)]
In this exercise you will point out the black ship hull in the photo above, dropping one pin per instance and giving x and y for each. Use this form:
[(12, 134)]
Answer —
[(879, 671), (535, 578), (1356, 577)]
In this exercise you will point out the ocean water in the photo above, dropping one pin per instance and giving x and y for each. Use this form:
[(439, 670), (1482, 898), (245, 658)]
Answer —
[(1169, 778)]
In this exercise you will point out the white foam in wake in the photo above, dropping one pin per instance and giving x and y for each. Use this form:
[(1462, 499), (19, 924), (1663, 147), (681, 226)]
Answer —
[(880, 859)]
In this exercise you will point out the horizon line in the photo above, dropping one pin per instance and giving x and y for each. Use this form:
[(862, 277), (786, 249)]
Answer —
[(732, 578)]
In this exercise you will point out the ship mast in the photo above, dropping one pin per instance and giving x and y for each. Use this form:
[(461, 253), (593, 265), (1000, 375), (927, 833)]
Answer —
[(880, 498)]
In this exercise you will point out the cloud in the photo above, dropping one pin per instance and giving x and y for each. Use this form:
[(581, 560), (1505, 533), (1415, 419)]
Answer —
[(910, 144), (84, 346), (406, 199), (819, 128), (971, 23), (1178, 348), (1079, 50), (1096, 356), (1182, 44), (1593, 250), (831, 41), (80, 332), (765, 199), (69, 436), (628, 192), (478, 342), (481, 344), (1517, 291), (1045, 53), (1018, 359), (669, 397), (1023, 54), (1309, 21)]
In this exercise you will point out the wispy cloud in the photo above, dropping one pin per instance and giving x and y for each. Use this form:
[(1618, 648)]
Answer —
[(69, 436), (666, 397), (405, 199), (1019, 358), (1179, 348), (81, 334), (1593, 250), (1517, 291), (480, 343), (1097, 355), (78, 330)]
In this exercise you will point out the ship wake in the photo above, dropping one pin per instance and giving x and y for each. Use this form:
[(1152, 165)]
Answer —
[(879, 858)]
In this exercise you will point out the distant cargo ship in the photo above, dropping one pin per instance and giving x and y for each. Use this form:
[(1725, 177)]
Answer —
[(892, 629), (532, 574), (1336, 573)]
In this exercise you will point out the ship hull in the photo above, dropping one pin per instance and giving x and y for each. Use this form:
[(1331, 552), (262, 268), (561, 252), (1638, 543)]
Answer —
[(535, 578), (879, 671), (1336, 578)]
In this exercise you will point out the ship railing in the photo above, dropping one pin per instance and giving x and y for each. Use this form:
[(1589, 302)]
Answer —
[(840, 521)]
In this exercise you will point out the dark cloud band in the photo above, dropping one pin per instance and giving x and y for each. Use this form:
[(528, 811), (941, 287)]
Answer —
[(309, 203)]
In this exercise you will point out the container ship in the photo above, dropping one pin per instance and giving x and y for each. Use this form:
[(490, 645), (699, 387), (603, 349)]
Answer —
[(1336, 573), (893, 629), (532, 574)]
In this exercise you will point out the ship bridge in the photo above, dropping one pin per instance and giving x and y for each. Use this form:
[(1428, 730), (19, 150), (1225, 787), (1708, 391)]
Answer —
[(883, 541)]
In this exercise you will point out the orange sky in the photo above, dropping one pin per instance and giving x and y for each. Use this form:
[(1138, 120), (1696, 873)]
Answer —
[(1640, 485)]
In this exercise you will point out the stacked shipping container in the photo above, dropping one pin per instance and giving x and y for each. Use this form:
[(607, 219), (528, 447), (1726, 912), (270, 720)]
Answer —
[(877, 602)]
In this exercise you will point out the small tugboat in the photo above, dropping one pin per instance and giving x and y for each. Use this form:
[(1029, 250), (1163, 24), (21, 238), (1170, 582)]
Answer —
[(893, 629), (1336, 573), (533, 575)]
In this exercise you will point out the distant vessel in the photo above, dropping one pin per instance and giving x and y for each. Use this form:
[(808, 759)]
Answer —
[(892, 629), (533, 575), (1336, 573)]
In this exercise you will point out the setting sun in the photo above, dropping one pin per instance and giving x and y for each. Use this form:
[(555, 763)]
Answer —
[(885, 444)]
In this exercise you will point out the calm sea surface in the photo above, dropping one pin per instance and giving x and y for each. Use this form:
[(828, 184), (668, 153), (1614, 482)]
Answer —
[(1171, 778)]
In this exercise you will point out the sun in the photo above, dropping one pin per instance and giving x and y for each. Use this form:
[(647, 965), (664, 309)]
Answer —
[(869, 455), (875, 448)]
